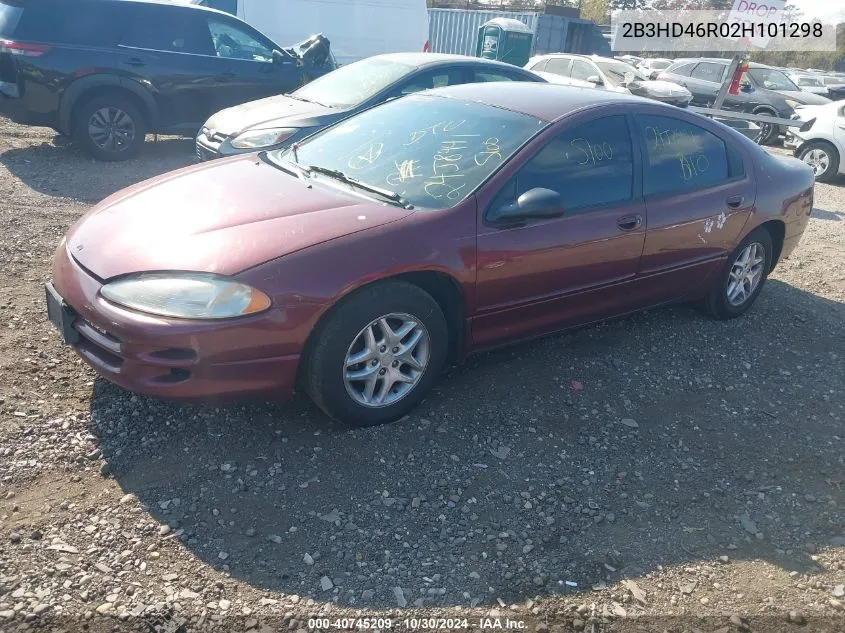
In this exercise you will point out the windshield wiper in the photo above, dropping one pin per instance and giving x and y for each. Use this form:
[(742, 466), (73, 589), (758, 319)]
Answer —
[(339, 175), (298, 98)]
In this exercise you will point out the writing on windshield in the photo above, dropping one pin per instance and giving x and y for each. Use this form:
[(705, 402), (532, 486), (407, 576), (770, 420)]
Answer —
[(431, 150)]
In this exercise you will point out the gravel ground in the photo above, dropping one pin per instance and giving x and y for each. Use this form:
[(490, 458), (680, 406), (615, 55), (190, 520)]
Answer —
[(661, 472)]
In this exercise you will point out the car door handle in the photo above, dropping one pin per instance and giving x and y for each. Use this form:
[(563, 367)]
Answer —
[(735, 202), (135, 61), (629, 222)]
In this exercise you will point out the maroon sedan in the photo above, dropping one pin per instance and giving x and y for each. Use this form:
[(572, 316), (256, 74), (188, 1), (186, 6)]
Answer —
[(359, 263)]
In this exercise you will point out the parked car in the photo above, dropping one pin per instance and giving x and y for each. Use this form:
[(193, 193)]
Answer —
[(652, 67), (279, 121), (592, 71), (411, 234), (809, 83), (356, 28), (835, 85), (821, 141), (630, 59), (763, 90), (106, 73)]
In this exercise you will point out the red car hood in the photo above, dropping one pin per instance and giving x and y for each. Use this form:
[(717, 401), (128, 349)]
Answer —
[(221, 217)]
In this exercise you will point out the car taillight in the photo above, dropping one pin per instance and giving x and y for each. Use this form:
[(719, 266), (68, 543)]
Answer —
[(20, 48), (662, 77), (426, 47)]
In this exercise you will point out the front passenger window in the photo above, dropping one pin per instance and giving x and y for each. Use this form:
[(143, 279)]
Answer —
[(590, 165), (234, 43)]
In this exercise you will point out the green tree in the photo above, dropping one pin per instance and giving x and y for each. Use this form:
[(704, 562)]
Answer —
[(595, 10)]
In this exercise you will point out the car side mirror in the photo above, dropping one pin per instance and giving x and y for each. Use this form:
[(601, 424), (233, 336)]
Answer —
[(534, 203), (279, 58), (595, 79)]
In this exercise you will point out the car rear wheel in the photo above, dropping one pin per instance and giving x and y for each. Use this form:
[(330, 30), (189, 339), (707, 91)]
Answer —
[(742, 278), (110, 128), (823, 158), (377, 355)]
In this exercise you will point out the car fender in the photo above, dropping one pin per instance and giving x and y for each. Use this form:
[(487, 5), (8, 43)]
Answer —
[(82, 85)]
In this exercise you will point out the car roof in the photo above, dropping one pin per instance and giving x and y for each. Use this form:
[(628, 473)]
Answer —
[(435, 59), (540, 100)]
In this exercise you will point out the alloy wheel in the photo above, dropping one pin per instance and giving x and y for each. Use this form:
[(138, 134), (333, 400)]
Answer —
[(818, 159), (111, 129), (386, 360), (746, 273)]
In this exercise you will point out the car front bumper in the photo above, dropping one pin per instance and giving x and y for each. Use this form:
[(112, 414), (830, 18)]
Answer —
[(167, 358)]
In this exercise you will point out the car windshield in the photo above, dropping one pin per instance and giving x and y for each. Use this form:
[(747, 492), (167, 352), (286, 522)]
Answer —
[(659, 64), (10, 13), (348, 86), (771, 79), (433, 151), (615, 71)]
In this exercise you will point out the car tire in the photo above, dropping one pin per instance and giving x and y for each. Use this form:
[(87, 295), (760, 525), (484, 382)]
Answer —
[(742, 278), (394, 370), (823, 158), (110, 128), (769, 132)]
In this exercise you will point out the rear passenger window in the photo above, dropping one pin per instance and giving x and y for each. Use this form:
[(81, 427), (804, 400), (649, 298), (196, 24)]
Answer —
[(181, 31), (541, 65), (590, 165), (484, 76), (72, 25), (684, 69), (681, 156), (707, 71)]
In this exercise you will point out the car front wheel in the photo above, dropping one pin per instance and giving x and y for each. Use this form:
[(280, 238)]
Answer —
[(742, 278), (377, 355)]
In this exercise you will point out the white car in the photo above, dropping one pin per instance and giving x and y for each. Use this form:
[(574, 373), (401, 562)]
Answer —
[(820, 142), (809, 83), (400, 26), (604, 73), (652, 67)]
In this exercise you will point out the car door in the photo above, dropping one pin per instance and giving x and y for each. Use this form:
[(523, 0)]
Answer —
[(247, 67), (698, 196), (168, 50), (543, 274)]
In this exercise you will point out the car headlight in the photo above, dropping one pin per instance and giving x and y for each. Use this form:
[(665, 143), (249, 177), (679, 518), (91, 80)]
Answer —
[(255, 139), (186, 295), (793, 104)]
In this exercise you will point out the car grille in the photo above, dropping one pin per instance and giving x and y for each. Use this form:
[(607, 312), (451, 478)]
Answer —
[(98, 344), (204, 154)]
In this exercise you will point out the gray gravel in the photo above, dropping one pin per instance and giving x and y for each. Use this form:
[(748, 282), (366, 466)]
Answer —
[(662, 466)]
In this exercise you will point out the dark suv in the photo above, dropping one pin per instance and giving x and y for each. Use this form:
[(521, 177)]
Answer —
[(763, 90), (106, 72)]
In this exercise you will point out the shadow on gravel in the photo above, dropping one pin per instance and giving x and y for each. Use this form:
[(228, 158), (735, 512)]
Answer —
[(828, 215), (661, 439), (60, 169)]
